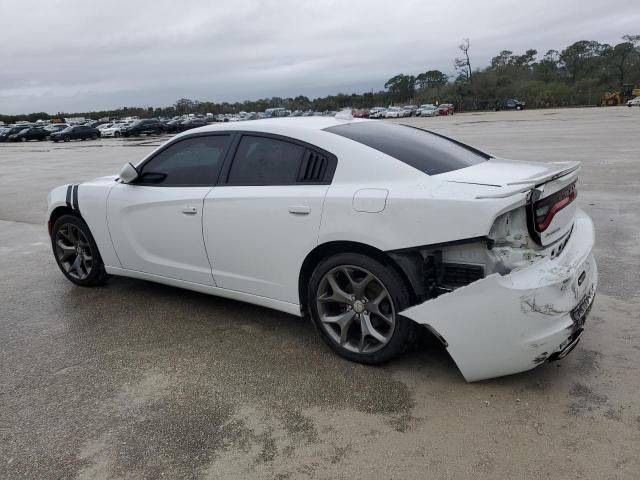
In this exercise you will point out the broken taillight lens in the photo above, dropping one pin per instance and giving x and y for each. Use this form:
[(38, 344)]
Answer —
[(548, 207)]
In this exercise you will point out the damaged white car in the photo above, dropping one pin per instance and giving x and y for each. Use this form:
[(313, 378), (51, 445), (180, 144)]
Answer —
[(370, 228)]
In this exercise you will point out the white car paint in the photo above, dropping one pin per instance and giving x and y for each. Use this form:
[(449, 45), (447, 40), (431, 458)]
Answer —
[(249, 243), (113, 131), (427, 110), (634, 102), (395, 112)]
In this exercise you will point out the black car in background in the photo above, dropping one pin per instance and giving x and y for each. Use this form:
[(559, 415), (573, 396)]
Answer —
[(30, 133), (76, 132), (6, 132), (192, 123), (172, 126), (147, 126), (510, 104)]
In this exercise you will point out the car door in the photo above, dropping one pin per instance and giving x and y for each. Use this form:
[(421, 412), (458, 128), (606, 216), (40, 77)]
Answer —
[(155, 223), (263, 218)]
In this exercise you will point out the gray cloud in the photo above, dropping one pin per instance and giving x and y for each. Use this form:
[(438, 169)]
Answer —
[(85, 55)]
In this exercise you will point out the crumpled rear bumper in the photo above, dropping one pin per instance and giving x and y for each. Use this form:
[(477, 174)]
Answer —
[(502, 325)]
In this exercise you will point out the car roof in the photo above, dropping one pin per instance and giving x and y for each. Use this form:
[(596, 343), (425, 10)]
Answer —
[(282, 125)]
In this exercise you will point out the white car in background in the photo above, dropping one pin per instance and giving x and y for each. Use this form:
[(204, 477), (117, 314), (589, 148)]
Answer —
[(427, 110), (372, 229), (114, 130), (634, 102), (395, 112), (377, 112)]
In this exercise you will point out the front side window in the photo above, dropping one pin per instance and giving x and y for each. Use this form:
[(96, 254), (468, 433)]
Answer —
[(265, 161), (192, 162)]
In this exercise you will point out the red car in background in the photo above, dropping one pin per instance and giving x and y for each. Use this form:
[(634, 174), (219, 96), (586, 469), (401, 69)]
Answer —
[(360, 113), (445, 109)]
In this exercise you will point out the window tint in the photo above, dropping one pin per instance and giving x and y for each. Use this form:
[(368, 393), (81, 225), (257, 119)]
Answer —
[(265, 161), (191, 162), (428, 152)]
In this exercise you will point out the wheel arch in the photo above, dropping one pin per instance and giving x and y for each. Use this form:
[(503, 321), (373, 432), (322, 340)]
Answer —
[(328, 249), (59, 212)]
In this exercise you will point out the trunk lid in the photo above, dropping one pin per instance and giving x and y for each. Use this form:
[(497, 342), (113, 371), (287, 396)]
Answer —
[(551, 207)]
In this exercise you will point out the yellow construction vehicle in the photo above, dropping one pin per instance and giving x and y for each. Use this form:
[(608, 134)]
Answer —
[(621, 97)]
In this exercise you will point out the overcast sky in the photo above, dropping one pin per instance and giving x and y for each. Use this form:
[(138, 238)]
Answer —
[(87, 55)]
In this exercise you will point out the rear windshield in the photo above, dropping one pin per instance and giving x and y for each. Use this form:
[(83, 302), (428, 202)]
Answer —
[(430, 153)]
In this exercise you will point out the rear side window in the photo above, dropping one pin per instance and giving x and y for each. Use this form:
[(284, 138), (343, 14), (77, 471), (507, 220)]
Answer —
[(428, 152), (193, 162), (265, 161)]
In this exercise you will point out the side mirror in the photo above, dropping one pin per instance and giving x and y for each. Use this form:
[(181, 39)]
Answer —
[(128, 173)]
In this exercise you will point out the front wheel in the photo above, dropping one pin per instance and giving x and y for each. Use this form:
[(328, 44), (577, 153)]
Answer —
[(66, 138), (116, 134), (76, 252), (354, 303)]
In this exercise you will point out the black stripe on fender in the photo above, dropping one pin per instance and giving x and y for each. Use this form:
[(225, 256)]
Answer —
[(69, 187), (75, 198)]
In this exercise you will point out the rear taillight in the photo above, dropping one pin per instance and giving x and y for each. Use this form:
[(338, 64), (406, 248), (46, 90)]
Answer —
[(548, 207)]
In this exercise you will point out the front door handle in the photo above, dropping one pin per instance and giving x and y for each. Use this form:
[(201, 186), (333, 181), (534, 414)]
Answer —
[(300, 209), (189, 210)]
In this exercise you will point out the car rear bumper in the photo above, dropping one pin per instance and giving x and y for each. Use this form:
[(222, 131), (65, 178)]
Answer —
[(502, 325)]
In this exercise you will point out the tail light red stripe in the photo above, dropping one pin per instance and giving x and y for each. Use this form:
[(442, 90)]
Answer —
[(555, 208)]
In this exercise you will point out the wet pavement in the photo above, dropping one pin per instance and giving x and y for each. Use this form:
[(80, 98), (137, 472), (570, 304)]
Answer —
[(138, 380)]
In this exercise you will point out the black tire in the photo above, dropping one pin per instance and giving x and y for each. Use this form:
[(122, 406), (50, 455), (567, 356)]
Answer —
[(66, 138), (97, 275), (23, 139), (94, 136), (401, 332), (116, 134)]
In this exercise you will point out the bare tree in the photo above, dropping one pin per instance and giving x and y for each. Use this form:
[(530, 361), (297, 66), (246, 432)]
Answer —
[(463, 64)]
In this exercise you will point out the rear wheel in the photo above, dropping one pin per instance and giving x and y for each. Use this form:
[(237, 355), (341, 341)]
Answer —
[(116, 134), (76, 252), (94, 136), (354, 302), (24, 139)]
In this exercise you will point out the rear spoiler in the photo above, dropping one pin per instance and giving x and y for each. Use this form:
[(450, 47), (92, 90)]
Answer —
[(529, 183)]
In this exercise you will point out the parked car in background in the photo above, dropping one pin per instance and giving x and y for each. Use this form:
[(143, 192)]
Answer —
[(427, 110), (75, 132), (31, 133), (10, 130), (360, 113), (115, 130), (410, 110), (510, 104), (634, 102), (395, 112), (445, 109), (172, 125), (147, 126), (377, 112), (98, 123), (55, 127), (195, 123)]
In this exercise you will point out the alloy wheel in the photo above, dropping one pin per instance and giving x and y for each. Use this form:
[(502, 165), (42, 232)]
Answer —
[(73, 251), (355, 309)]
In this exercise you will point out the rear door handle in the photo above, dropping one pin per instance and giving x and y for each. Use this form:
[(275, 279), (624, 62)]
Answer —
[(189, 210), (300, 209)]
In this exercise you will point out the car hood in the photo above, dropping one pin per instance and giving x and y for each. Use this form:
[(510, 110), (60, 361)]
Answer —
[(510, 175)]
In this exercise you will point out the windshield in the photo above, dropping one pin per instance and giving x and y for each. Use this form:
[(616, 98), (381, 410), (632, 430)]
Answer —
[(429, 152)]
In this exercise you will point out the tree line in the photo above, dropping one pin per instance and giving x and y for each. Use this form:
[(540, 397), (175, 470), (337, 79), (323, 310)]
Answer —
[(576, 75)]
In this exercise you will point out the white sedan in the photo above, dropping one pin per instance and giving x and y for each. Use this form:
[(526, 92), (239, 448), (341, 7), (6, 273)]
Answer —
[(427, 110), (634, 102), (114, 130), (371, 229), (395, 112)]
